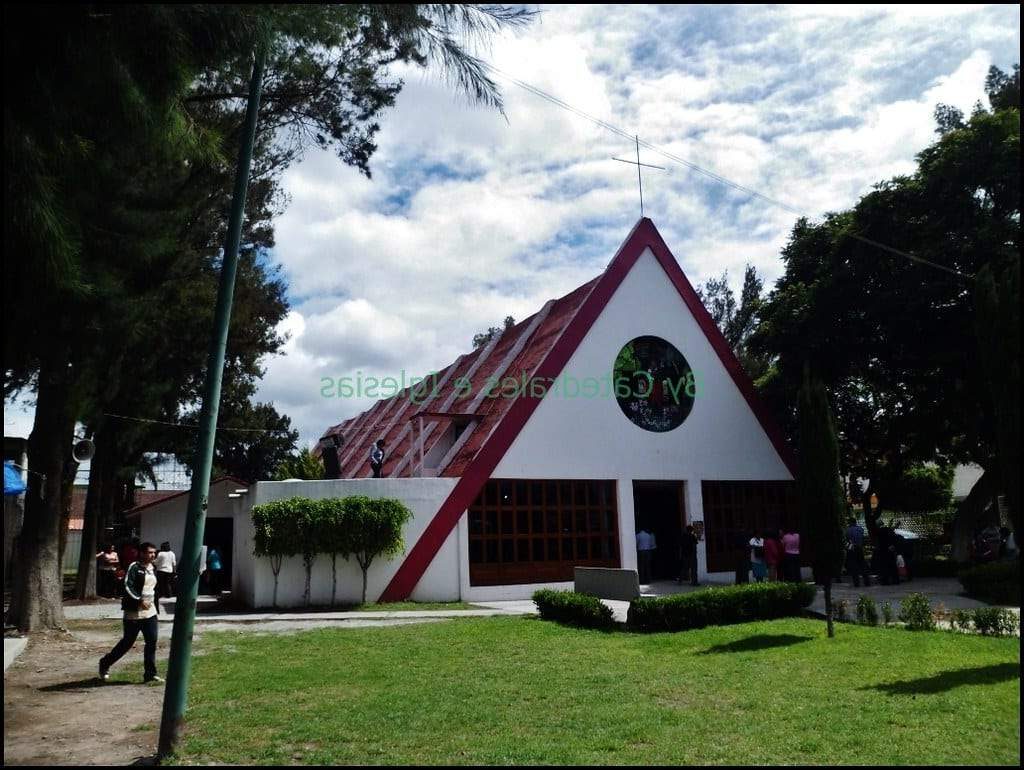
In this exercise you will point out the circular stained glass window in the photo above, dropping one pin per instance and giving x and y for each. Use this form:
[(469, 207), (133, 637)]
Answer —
[(654, 384)]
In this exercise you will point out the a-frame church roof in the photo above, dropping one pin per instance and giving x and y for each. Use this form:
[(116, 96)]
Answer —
[(539, 346)]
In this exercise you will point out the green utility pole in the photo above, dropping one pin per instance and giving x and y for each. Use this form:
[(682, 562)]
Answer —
[(180, 664)]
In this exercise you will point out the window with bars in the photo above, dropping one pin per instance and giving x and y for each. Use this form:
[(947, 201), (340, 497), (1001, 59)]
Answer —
[(735, 510), (529, 531)]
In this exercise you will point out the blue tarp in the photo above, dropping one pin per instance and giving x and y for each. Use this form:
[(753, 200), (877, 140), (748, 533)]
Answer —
[(13, 485)]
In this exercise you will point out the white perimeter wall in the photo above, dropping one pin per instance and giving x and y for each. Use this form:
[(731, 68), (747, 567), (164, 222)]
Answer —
[(254, 580), (591, 438)]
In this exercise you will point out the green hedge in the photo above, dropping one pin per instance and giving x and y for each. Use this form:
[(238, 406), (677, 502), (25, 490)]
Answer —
[(720, 606), (997, 582), (574, 609)]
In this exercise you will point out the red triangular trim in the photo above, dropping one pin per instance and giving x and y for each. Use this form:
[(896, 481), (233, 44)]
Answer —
[(643, 236)]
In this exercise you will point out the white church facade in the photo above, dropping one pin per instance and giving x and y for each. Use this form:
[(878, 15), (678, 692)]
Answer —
[(617, 407)]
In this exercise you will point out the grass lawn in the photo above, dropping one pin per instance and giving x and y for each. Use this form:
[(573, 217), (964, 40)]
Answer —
[(520, 690)]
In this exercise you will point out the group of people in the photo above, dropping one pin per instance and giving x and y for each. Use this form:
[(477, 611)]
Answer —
[(993, 543), (112, 568), (772, 555)]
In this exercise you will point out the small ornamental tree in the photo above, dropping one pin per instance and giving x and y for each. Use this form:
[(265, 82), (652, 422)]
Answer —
[(307, 520), (821, 498), (374, 528), (333, 536), (277, 534)]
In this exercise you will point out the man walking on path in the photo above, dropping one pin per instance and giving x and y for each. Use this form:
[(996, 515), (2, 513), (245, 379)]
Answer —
[(856, 566), (140, 615)]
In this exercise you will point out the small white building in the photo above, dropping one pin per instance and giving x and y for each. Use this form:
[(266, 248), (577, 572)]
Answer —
[(615, 407)]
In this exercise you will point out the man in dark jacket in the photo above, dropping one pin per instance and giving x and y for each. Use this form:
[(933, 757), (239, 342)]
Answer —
[(140, 615), (688, 557)]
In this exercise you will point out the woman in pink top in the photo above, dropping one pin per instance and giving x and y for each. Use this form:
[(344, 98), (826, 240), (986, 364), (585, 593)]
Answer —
[(772, 554), (791, 556)]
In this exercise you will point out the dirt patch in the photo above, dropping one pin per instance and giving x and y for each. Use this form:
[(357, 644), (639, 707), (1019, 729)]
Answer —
[(56, 710)]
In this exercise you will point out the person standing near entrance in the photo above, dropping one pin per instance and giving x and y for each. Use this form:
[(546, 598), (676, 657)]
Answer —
[(645, 546), (758, 566), (688, 557), (377, 458), (106, 572), (791, 555), (166, 566), (213, 568), (140, 615), (773, 554), (856, 566)]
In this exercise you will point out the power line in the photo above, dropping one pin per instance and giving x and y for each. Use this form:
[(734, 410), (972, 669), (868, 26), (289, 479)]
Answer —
[(750, 191), (193, 425)]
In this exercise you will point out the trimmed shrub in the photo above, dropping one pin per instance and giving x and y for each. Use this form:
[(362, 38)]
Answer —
[(867, 611), (720, 606), (916, 613), (961, 619), (997, 583), (994, 621), (581, 610), (887, 616)]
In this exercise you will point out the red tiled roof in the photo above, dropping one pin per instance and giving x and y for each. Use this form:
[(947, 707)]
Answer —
[(515, 353)]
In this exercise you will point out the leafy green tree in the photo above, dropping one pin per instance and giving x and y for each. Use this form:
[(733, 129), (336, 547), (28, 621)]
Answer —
[(736, 320), (481, 339), (822, 503), (334, 536), (374, 529), (303, 465), (277, 534), (892, 339), (120, 127)]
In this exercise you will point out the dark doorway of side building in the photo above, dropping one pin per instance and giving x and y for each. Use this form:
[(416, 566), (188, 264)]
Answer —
[(219, 534), (660, 508)]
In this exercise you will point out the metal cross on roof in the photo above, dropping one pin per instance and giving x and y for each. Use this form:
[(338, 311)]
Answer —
[(639, 178)]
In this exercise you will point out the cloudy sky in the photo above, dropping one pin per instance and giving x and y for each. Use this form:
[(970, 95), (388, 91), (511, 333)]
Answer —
[(471, 217)]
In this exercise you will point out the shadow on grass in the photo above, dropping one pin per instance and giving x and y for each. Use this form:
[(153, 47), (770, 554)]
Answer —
[(947, 680), (758, 642), (83, 684)]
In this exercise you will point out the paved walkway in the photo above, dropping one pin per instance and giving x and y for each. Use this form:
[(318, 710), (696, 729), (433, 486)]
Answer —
[(13, 647)]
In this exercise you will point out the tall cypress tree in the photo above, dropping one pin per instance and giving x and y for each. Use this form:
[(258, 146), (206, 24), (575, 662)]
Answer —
[(821, 495)]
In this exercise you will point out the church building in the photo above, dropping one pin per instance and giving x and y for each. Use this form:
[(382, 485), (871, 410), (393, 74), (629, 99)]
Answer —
[(615, 408)]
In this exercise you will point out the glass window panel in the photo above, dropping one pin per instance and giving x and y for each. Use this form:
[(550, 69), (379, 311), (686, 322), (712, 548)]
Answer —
[(564, 493), (508, 550), (552, 517), (609, 521), (579, 492), (595, 521), (581, 548), (491, 522), (567, 525), (581, 521), (552, 549), (491, 493), (491, 551), (476, 522), (566, 549), (536, 493), (505, 492), (521, 497), (613, 548), (507, 522), (524, 550), (522, 522), (476, 551), (538, 522), (538, 549), (597, 549), (550, 494)]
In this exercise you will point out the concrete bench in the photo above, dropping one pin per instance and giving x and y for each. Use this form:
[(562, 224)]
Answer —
[(608, 583)]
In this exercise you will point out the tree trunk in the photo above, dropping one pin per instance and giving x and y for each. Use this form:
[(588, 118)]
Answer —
[(334, 577), (365, 570), (275, 566), (37, 601), (828, 607), (308, 560), (85, 583)]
